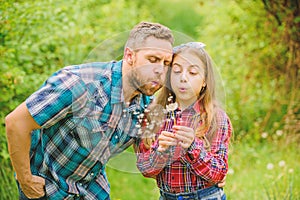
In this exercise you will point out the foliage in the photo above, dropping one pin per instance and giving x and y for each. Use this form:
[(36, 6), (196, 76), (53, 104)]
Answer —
[(8, 189), (255, 46), (245, 48)]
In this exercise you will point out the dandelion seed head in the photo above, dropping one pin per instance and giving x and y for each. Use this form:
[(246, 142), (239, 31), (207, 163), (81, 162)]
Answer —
[(230, 171), (264, 135), (281, 163), (270, 166), (279, 132)]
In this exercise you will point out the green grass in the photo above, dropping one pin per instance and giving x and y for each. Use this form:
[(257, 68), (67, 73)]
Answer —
[(249, 177), (269, 170)]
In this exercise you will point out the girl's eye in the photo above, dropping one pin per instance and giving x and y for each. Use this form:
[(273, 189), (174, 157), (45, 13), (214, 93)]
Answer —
[(193, 72), (176, 69)]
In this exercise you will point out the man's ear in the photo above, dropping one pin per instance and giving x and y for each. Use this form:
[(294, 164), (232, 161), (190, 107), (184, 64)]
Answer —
[(129, 55)]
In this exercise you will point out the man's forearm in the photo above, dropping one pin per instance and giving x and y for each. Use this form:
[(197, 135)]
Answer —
[(19, 125)]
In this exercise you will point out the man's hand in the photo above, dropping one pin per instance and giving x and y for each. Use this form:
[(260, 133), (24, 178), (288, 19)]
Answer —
[(35, 188), (222, 183)]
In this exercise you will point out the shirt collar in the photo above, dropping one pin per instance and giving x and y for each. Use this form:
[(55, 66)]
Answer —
[(195, 107)]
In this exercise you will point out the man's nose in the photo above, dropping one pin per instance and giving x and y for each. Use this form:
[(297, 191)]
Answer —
[(159, 68)]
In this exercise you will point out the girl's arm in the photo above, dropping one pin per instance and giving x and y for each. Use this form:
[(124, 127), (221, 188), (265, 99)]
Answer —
[(211, 165), (150, 161)]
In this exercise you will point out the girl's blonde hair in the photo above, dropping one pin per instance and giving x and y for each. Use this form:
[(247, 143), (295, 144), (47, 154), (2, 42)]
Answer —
[(206, 98)]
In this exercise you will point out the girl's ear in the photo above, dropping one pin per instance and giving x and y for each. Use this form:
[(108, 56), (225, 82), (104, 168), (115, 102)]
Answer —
[(129, 56)]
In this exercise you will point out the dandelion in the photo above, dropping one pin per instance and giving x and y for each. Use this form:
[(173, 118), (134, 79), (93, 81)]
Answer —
[(264, 135), (270, 166), (291, 171), (281, 163), (171, 107), (230, 171), (279, 132)]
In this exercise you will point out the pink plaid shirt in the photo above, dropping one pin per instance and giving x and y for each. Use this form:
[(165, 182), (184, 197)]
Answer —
[(186, 170)]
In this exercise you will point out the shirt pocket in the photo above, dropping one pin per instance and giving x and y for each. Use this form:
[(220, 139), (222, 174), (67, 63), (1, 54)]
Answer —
[(89, 131), (96, 100)]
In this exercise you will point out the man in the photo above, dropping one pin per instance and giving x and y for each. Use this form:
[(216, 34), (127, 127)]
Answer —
[(62, 136)]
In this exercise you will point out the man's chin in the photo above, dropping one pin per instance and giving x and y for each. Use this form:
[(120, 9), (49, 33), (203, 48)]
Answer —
[(150, 91)]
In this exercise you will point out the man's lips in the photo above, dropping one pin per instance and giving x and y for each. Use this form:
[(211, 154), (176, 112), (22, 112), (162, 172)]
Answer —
[(155, 83)]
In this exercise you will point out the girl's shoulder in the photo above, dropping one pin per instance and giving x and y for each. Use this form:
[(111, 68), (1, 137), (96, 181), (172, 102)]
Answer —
[(221, 115)]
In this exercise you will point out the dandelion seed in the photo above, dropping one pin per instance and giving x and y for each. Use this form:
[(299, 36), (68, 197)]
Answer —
[(279, 132), (264, 135), (270, 166), (291, 171), (281, 163), (171, 107), (230, 171)]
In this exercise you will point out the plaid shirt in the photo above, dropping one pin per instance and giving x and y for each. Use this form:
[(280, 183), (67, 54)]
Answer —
[(84, 123), (179, 170)]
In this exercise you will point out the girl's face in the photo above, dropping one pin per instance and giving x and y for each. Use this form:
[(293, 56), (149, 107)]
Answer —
[(187, 78)]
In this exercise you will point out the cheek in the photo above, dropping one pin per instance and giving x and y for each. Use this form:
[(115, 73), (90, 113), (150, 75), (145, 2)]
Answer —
[(174, 80), (197, 85)]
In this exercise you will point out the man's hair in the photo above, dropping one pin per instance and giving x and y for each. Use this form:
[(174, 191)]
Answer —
[(143, 30)]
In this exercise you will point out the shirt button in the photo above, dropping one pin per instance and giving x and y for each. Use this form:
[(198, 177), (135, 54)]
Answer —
[(92, 173)]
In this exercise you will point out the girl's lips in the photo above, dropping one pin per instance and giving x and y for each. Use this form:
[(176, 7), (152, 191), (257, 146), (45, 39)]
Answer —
[(182, 89)]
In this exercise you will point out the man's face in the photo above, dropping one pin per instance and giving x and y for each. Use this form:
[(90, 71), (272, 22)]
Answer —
[(150, 64)]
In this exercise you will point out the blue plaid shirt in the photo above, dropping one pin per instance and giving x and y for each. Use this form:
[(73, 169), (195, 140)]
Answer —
[(84, 122)]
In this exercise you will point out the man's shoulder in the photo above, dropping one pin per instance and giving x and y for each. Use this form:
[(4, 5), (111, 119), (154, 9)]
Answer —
[(94, 70), (92, 67)]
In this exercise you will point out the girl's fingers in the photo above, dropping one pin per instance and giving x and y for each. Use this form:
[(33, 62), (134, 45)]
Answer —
[(182, 135), (167, 143), (185, 135), (167, 134), (185, 144), (182, 128)]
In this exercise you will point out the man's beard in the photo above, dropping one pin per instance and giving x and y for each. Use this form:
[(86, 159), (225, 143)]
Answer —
[(144, 86)]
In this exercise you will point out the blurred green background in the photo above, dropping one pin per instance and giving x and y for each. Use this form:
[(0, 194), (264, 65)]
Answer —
[(254, 44)]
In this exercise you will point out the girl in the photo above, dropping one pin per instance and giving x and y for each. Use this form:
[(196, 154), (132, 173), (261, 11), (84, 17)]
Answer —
[(189, 154)]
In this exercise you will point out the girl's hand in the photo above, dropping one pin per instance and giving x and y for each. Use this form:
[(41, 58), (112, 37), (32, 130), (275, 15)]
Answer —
[(185, 135), (165, 140)]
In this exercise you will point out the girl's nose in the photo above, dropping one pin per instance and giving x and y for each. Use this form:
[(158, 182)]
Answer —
[(183, 77)]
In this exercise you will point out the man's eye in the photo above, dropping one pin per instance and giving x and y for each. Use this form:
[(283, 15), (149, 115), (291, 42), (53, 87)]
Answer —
[(167, 64), (153, 59)]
